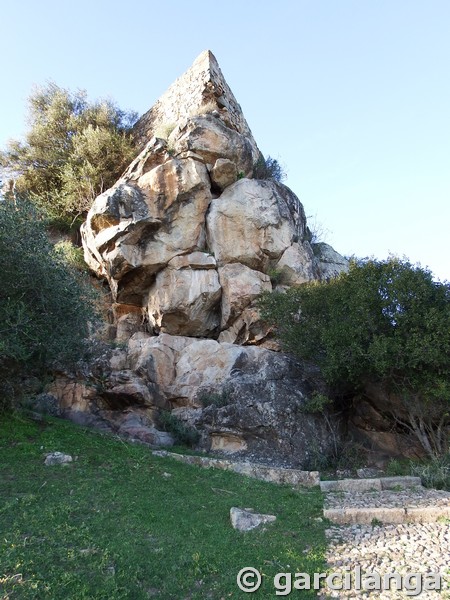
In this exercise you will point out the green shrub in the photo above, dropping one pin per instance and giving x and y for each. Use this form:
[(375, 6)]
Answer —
[(277, 276), (183, 434), (46, 307), (72, 255), (434, 473), (398, 467), (217, 399), (385, 323), (268, 168)]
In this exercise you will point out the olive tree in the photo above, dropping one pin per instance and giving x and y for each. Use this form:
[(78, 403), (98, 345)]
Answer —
[(73, 151)]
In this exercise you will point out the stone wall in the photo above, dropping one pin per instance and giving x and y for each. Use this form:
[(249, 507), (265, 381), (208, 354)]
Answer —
[(201, 87)]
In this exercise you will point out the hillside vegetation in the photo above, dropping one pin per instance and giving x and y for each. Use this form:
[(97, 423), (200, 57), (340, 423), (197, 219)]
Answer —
[(118, 523)]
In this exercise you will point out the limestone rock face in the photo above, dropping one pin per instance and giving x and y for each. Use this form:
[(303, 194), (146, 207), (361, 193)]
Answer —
[(185, 302), (296, 265), (202, 88), (209, 138), (253, 222), (223, 173), (188, 239), (240, 286), (186, 236), (134, 230), (328, 262)]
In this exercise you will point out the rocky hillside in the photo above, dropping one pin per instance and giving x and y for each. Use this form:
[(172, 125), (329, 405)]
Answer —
[(194, 231)]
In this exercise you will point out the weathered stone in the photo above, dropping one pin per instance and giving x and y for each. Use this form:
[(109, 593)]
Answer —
[(248, 328), (253, 222), (125, 389), (185, 302), (365, 515), (195, 260), (129, 319), (245, 519), (133, 230), (205, 363), (426, 514), (57, 458), (211, 139), (155, 357), (350, 485), (72, 395), (201, 89), (147, 434), (240, 286), (227, 442), (265, 394), (261, 472), (404, 482), (297, 264), (328, 263), (182, 260), (153, 155), (224, 173), (47, 404)]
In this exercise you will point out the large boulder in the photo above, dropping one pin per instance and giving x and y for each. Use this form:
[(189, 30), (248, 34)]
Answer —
[(185, 302), (133, 230), (254, 222), (240, 287), (208, 137), (296, 265), (328, 263)]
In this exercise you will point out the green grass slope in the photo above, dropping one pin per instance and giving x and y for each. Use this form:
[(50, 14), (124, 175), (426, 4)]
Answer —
[(120, 523)]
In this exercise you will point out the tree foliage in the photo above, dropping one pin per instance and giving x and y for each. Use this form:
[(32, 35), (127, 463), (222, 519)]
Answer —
[(384, 322), (73, 150), (46, 307)]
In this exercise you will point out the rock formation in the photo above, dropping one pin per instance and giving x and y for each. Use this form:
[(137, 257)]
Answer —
[(187, 239)]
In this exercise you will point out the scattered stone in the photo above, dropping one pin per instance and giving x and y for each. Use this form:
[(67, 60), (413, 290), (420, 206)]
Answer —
[(246, 519), (57, 458), (368, 473)]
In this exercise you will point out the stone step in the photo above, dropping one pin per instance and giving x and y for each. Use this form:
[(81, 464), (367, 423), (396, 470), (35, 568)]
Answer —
[(278, 475), (367, 485), (410, 505), (392, 515)]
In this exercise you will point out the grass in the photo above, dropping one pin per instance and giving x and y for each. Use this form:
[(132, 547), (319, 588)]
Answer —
[(119, 523), (434, 473)]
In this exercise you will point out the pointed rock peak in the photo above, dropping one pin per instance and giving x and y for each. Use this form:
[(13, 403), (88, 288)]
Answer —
[(202, 89)]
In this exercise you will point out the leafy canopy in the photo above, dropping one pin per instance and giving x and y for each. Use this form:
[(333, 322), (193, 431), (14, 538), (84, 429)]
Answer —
[(72, 152), (46, 306), (383, 321)]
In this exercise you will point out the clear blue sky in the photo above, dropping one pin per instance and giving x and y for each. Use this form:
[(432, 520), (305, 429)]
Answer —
[(352, 96)]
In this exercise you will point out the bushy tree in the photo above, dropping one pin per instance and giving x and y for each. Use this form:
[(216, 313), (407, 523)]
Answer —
[(73, 151), (46, 307), (384, 322)]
